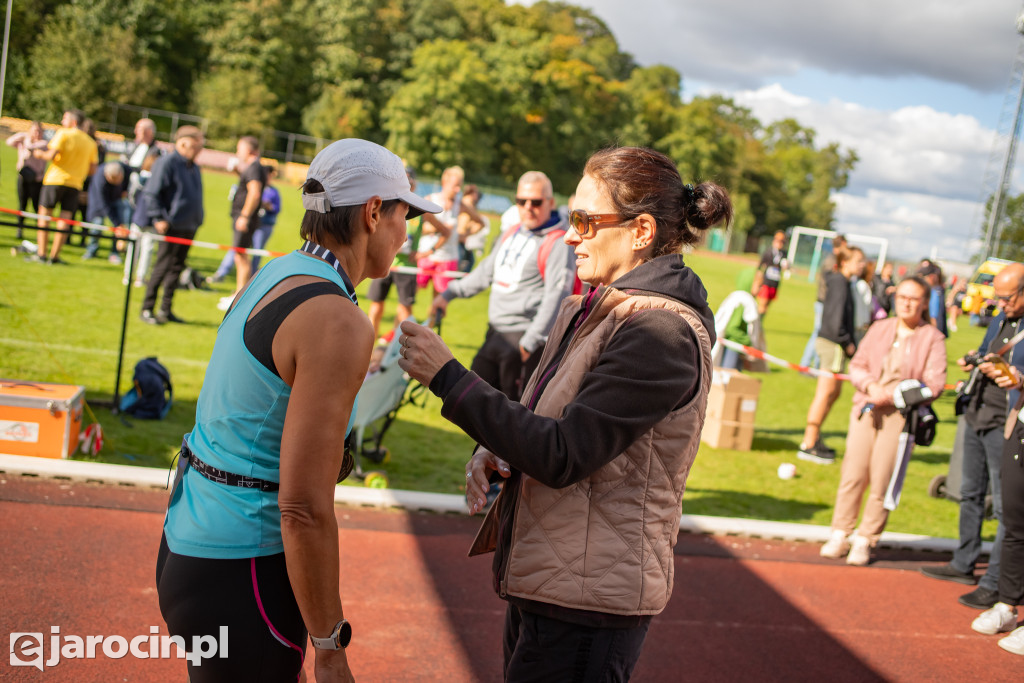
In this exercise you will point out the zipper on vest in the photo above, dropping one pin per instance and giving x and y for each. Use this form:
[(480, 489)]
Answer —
[(503, 570)]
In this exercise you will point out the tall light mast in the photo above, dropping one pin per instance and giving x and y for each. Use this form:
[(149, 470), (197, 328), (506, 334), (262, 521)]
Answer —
[(994, 227)]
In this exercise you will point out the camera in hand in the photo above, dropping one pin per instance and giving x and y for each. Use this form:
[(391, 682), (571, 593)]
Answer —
[(910, 393), (974, 358)]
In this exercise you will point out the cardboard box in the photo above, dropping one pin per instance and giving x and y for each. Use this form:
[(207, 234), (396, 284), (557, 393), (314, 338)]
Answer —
[(735, 436), (732, 407), (40, 419)]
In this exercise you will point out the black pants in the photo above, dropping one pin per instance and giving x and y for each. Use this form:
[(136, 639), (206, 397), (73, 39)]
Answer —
[(499, 363), (170, 261), (199, 595), (28, 191), (1011, 562), (538, 649)]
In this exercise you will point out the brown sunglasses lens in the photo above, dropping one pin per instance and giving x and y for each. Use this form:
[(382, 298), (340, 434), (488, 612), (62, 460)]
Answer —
[(580, 222)]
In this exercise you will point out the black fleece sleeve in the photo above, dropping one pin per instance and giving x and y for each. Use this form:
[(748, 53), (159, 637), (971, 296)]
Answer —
[(648, 368)]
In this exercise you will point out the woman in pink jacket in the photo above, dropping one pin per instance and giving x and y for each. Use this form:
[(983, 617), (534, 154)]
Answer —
[(893, 350)]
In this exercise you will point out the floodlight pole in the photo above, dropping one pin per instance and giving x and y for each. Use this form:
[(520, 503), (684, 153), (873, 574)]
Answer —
[(995, 214)]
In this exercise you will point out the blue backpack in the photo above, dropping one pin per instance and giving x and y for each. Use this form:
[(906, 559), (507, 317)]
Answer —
[(152, 395)]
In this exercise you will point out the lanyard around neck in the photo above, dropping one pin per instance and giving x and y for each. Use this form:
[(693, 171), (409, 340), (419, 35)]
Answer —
[(325, 254)]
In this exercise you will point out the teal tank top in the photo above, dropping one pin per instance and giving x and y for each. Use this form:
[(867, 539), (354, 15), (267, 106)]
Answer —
[(239, 421)]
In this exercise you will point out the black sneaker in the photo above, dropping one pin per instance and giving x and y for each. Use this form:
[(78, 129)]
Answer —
[(947, 572), (168, 317), (980, 598), (147, 317), (817, 454), (821, 444)]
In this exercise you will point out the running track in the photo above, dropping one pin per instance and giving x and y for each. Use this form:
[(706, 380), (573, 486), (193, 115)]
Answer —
[(81, 556)]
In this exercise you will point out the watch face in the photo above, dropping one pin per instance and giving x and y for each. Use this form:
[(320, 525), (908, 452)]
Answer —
[(345, 634)]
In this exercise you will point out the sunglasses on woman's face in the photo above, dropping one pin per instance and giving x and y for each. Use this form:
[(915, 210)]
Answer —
[(586, 224), (535, 203)]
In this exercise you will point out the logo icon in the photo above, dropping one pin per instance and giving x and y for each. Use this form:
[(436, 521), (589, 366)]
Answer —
[(27, 650)]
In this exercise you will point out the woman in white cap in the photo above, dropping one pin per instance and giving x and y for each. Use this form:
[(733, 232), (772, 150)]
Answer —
[(250, 539)]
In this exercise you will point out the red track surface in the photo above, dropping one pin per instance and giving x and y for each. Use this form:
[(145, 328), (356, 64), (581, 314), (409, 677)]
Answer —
[(82, 556)]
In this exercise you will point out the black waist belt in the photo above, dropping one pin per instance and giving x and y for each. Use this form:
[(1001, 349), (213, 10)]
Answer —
[(227, 478)]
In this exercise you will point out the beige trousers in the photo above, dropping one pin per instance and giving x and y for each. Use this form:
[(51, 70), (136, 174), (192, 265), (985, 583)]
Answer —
[(870, 458)]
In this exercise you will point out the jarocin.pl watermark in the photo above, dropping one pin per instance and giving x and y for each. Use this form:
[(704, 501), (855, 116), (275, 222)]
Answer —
[(27, 648)]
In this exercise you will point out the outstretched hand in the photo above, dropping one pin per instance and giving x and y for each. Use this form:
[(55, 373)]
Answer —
[(423, 351)]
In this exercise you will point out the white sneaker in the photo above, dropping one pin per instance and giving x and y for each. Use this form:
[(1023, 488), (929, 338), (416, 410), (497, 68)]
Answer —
[(1014, 642), (837, 546), (997, 619), (225, 302), (860, 551)]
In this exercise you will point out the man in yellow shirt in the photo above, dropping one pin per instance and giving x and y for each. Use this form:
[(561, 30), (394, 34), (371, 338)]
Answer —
[(73, 157)]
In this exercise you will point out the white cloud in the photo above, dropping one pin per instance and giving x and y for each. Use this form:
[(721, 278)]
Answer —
[(921, 171), (744, 43), (913, 149), (916, 225)]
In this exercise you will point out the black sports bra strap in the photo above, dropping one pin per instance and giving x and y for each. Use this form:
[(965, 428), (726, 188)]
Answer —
[(261, 328)]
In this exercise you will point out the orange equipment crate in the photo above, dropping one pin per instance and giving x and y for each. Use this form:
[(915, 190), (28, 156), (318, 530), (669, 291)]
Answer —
[(40, 419)]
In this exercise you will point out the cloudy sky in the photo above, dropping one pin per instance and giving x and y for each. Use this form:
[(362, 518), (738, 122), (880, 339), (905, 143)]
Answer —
[(915, 87)]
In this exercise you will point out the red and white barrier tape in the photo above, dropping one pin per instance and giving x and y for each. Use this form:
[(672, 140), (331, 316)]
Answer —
[(152, 235), (209, 245), (757, 353)]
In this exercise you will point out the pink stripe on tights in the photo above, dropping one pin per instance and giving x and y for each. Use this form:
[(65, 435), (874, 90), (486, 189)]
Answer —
[(266, 620)]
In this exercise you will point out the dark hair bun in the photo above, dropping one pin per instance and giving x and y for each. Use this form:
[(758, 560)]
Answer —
[(707, 204)]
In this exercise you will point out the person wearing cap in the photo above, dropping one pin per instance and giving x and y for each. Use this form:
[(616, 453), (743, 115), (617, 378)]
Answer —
[(174, 200), (250, 541), (529, 271)]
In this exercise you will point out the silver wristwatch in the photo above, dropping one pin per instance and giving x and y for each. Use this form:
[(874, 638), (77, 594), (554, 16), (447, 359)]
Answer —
[(340, 637)]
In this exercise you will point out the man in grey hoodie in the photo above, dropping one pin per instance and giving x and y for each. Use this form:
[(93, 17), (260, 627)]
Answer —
[(529, 270)]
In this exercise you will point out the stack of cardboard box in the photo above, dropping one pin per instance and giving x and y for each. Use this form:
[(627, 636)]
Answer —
[(732, 405)]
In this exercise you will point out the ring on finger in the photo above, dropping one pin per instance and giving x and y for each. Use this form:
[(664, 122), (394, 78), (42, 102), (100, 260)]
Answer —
[(468, 475)]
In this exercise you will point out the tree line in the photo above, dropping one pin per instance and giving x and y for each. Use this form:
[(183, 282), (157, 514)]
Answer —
[(496, 88)]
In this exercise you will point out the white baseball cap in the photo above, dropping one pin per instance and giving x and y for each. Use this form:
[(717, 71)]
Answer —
[(352, 171)]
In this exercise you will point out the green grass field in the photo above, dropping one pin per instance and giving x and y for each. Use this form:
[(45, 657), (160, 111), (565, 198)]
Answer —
[(63, 324)]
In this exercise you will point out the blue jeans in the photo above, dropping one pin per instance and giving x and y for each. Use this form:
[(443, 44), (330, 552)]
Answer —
[(123, 211), (259, 239), (732, 359), (983, 452), (810, 358)]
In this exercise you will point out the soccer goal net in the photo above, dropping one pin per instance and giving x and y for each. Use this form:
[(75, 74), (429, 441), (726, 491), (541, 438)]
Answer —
[(808, 246)]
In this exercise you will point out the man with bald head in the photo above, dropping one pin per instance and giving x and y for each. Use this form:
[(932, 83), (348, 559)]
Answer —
[(985, 409)]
